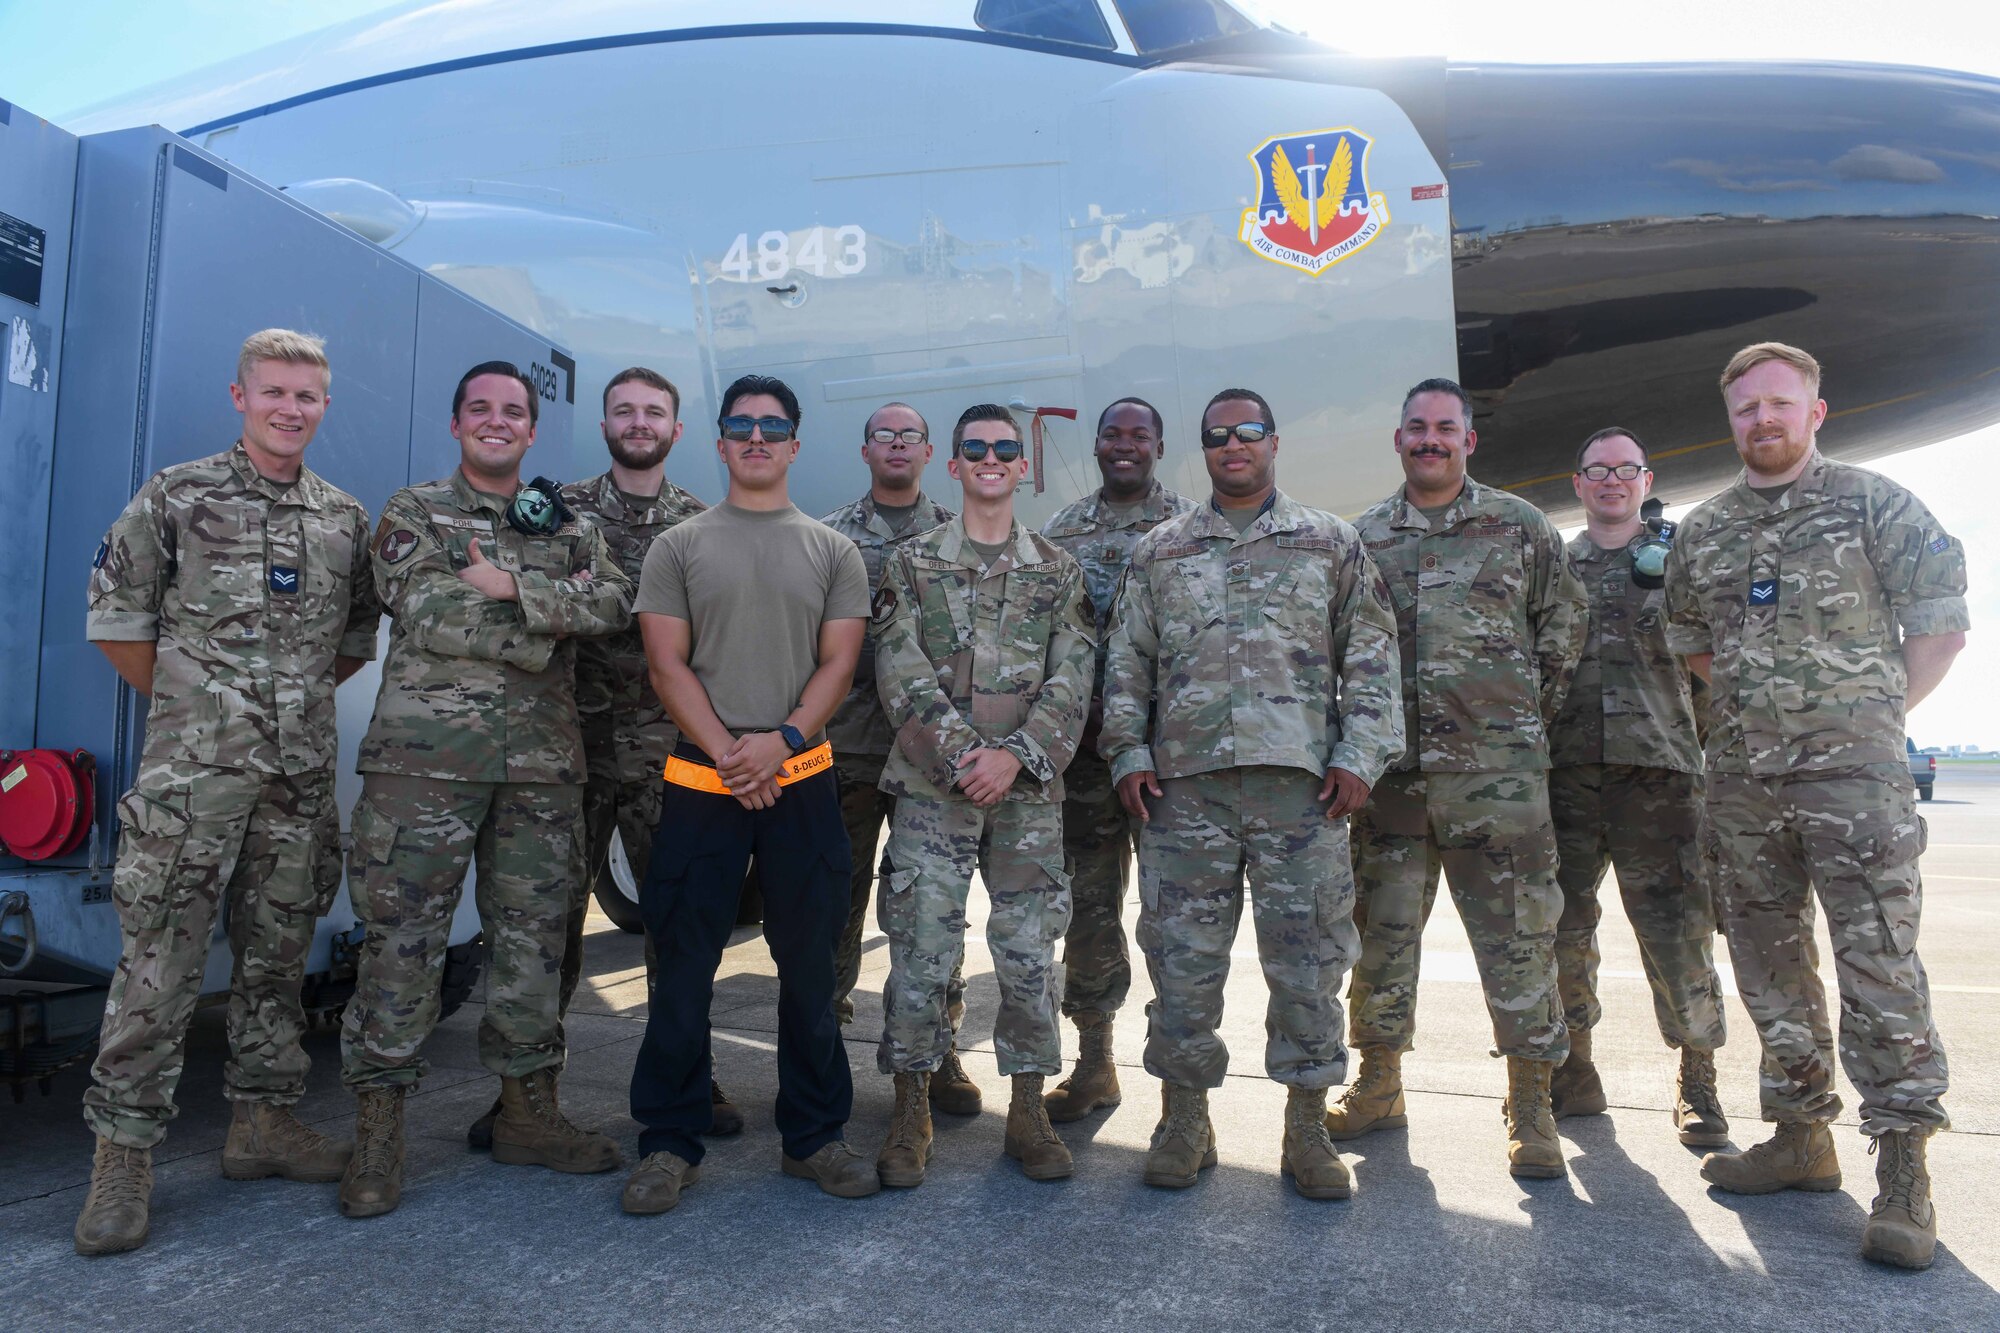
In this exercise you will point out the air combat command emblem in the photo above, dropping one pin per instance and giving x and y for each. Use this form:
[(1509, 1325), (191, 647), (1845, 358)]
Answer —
[(1313, 205)]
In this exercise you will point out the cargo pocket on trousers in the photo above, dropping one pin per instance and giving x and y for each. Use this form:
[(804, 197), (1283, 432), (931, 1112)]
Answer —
[(1888, 862), (371, 847), (1531, 867), (896, 901), (144, 886)]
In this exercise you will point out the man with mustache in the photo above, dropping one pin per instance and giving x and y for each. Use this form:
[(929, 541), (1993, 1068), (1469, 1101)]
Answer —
[(626, 734), (1821, 601), (983, 660), (1249, 704), (1100, 531), (1491, 620), (895, 446)]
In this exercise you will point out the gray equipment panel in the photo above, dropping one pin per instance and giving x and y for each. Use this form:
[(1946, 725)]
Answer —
[(171, 258)]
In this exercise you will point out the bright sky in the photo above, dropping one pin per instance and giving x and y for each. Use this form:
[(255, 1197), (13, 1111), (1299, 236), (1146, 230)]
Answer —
[(61, 57)]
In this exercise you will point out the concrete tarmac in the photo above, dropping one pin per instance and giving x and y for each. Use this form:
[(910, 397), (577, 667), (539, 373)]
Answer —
[(1438, 1234)]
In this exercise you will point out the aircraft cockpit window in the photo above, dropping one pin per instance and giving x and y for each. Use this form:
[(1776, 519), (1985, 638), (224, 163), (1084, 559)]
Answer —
[(1077, 22), (1162, 25)]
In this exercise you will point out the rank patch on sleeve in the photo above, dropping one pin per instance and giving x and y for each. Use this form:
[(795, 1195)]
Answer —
[(1763, 592), (396, 547), (103, 550), (284, 580), (883, 606)]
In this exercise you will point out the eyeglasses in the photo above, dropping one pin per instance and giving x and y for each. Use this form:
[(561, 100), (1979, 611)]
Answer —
[(974, 451), (883, 435), (1218, 437), (1600, 471), (776, 430)]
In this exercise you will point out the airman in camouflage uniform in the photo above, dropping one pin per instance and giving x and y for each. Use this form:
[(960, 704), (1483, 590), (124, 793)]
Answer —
[(1250, 691), (626, 733), (474, 752), (1100, 531), (234, 592), (1491, 620), (983, 662), (1821, 600), (894, 510), (1626, 789)]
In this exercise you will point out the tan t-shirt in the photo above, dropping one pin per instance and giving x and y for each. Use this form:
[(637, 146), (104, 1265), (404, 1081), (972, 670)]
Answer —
[(755, 586)]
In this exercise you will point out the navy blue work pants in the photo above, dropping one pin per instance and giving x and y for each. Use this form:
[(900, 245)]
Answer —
[(700, 852)]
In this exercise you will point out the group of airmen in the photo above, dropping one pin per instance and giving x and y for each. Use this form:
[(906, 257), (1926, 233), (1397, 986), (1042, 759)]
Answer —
[(1242, 688)]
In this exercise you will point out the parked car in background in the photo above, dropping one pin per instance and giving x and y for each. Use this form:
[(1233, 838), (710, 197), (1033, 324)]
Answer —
[(1923, 769)]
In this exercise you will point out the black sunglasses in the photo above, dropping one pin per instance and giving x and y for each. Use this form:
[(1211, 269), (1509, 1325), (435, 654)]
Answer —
[(1218, 437), (974, 451), (776, 430)]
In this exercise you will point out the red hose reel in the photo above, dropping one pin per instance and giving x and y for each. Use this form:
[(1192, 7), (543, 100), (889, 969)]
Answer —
[(47, 801)]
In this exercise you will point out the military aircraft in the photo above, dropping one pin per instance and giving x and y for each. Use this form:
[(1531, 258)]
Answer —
[(1051, 203)]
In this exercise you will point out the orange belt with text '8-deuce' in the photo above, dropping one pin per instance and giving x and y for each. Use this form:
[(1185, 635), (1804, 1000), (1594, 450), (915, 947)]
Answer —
[(703, 777)]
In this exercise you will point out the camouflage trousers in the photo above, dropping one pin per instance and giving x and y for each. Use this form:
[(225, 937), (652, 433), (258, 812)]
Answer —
[(1855, 837), (413, 839), (1207, 835), (1491, 836), (628, 807), (197, 839), (1647, 823), (934, 848), (864, 811), (1097, 849)]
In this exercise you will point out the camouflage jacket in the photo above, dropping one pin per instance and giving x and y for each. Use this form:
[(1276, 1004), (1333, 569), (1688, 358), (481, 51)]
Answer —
[(1630, 702), (1274, 647), (858, 728), (1805, 601), (478, 690), (611, 672), (965, 659), (249, 588), (1491, 620)]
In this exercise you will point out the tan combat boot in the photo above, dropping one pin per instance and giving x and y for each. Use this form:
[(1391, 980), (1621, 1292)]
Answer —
[(952, 1089), (373, 1184), (1374, 1100), (907, 1151), (1094, 1080), (837, 1169), (117, 1213), (1184, 1140), (532, 1130), (1533, 1151), (1798, 1157), (267, 1140), (1902, 1222), (1575, 1088), (1309, 1156), (1031, 1139), (1697, 1109)]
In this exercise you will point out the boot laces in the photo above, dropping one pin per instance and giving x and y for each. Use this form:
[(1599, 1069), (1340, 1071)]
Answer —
[(1374, 1073), (539, 1093), (284, 1130), (1526, 1101), (1697, 1084), (1184, 1119), (949, 1070), (1028, 1102), (1897, 1163), (375, 1134), (126, 1177), (903, 1130), (1305, 1122)]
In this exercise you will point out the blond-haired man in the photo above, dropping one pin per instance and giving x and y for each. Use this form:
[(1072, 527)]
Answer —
[(234, 592)]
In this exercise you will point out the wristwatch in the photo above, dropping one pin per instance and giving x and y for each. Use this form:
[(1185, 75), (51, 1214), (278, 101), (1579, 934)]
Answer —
[(793, 740)]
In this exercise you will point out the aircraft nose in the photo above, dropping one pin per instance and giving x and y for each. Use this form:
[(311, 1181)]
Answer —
[(1620, 232)]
